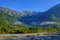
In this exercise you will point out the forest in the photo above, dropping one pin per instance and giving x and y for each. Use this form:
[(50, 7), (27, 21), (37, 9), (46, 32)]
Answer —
[(7, 29)]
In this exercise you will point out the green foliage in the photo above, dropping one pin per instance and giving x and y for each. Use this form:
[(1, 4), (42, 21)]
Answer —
[(8, 17), (17, 30)]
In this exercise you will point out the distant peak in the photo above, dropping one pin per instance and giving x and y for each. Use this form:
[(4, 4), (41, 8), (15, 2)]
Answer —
[(57, 5), (1, 7)]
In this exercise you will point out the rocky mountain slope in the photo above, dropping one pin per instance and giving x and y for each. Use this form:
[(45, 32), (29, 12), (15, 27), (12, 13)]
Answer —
[(49, 17)]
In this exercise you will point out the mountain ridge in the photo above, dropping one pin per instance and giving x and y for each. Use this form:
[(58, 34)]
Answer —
[(44, 16), (31, 17)]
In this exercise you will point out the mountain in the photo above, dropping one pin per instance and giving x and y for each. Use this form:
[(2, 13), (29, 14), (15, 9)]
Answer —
[(55, 10), (36, 18), (12, 21), (8, 16), (49, 17)]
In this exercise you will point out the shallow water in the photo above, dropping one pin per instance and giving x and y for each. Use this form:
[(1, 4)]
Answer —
[(45, 38), (57, 37), (8, 39)]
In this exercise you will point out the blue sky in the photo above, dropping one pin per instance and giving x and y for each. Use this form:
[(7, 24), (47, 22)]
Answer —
[(34, 5)]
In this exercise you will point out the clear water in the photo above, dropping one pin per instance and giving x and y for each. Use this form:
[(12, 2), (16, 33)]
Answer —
[(8, 39), (35, 38)]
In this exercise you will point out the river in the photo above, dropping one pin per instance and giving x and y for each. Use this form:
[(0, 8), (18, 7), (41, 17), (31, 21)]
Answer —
[(49, 37)]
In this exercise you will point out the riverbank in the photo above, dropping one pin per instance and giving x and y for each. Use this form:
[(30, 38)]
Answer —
[(23, 35), (26, 36)]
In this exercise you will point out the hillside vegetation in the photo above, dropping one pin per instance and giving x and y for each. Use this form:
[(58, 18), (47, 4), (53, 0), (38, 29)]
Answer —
[(8, 17)]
